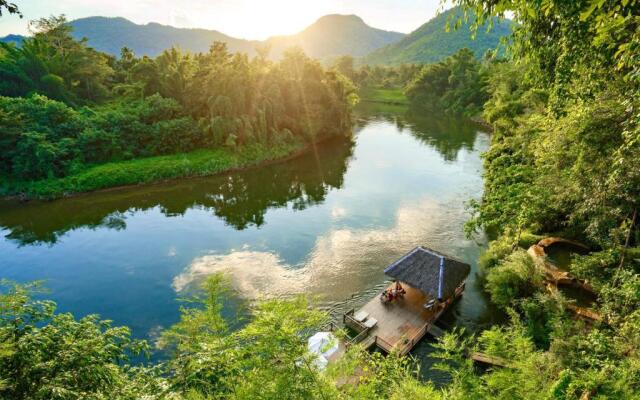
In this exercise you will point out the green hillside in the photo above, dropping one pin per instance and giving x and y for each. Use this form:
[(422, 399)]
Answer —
[(336, 35), (109, 35), (432, 43), (17, 39)]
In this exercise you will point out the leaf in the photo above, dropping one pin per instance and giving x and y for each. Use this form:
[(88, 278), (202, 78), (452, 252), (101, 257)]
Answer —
[(587, 13)]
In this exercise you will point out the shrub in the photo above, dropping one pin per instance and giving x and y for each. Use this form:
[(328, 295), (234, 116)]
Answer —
[(515, 278)]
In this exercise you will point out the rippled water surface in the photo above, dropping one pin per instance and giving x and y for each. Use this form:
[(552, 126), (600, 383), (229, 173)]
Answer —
[(325, 224)]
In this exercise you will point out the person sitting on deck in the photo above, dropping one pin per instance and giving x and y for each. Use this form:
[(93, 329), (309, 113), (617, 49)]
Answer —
[(399, 290), (390, 295)]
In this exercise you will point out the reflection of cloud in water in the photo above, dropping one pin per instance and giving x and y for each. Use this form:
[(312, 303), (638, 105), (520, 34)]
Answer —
[(338, 212), (342, 262), (253, 272)]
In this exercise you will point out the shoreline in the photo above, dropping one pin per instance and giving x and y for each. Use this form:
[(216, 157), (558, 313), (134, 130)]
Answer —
[(296, 151), (481, 122)]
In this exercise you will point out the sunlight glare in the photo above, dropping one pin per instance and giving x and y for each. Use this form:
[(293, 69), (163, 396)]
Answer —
[(263, 19)]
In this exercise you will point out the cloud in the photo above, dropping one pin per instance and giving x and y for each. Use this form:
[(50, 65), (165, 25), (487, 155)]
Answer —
[(342, 262)]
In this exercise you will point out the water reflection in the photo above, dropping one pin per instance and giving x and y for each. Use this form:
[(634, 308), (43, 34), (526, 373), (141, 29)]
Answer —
[(240, 199), (447, 134), (341, 259), (326, 223)]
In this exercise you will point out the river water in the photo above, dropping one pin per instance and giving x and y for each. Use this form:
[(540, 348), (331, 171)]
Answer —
[(325, 224)]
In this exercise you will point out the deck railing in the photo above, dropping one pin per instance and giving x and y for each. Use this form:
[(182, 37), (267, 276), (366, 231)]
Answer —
[(330, 326), (416, 338), (359, 337), (351, 322), (383, 344)]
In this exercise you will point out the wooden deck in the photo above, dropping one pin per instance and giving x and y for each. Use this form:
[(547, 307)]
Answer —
[(401, 323)]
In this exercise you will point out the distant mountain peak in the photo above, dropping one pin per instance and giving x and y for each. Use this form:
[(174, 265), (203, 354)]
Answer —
[(340, 18), (336, 35), (17, 39)]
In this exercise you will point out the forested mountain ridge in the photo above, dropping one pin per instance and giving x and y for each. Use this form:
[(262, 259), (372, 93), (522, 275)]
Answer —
[(17, 39), (109, 35), (329, 37), (432, 42), (336, 35)]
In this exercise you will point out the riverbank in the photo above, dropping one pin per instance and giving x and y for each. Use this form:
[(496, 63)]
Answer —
[(153, 169), (387, 96)]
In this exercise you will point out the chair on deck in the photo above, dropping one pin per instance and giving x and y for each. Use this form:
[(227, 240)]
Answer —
[(370, 323), (361, 315)]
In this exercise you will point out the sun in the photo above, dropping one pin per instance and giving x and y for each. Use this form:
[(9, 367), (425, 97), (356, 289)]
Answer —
[(262, 19)]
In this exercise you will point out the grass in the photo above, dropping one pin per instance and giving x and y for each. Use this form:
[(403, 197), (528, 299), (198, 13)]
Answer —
[(147, 170), (379, 95)]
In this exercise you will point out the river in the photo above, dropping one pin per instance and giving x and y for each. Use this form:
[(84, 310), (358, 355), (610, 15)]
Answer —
[(324, 224)]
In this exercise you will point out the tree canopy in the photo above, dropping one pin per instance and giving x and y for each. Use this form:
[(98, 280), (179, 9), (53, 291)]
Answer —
[(67, 106)]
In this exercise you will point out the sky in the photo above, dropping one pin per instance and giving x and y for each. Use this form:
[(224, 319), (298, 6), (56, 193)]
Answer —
[(248, 19)]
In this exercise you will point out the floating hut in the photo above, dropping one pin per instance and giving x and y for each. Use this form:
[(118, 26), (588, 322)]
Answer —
[(430, 282)]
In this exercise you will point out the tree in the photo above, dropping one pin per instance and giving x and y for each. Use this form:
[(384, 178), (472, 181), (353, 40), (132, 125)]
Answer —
[(54, 356), (456, 84), (54, 64), (11, 8), (344, 65)]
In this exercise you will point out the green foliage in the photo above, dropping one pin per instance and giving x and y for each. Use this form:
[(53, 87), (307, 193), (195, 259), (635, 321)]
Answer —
[(150, 169), (455, 85), (516, 277), (563, 158), (385, 77), (267, 356), (137, 108), (54, 64), (566, 134), (387, 96), (497, 251), (434, 41), (54, 356)]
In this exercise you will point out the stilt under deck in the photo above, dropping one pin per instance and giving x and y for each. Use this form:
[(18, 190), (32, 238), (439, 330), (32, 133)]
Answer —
[(401, 323)]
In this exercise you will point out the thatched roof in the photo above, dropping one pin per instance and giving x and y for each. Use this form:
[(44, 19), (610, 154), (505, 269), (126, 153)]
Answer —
[(436, 274)]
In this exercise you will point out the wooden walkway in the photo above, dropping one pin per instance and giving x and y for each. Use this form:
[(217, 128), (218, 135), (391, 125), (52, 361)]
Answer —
[(401, 323)]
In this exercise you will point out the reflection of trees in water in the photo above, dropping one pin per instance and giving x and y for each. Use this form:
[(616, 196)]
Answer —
[(446, 134), (241, 199)]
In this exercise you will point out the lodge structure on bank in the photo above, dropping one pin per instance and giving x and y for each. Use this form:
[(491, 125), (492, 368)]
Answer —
[(425, 284)]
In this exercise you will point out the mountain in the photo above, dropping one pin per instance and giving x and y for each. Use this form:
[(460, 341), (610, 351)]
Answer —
[(335, 35), (431, 42), (329, 37), (112, 34), (17, 39)]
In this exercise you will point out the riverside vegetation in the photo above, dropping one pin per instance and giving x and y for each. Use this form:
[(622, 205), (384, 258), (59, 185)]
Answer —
[(564, 106), (72, 117)]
